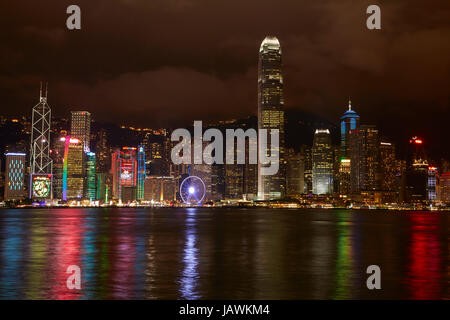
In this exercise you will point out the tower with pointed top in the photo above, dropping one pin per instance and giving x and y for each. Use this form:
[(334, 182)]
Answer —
[(271, 114), (40, 161), (349, 121)]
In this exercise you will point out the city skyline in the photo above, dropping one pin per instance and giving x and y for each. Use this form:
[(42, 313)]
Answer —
[(329, 56), (197, 150)]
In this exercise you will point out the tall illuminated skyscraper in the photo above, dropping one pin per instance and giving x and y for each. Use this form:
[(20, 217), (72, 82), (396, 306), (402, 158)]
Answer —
[(271, 114), (73, 170), (432, 183), (40, 161), (364, 146), (388, 168), (322, 162), (80, 128), (14, 176), (349, 121)]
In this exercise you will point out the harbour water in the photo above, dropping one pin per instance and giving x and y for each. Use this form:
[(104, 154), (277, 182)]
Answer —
[(205, 253)]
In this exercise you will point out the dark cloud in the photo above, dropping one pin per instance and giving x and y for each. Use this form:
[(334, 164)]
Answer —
[(161, 61)]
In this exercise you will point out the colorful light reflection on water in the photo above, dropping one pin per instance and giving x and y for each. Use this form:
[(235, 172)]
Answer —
[(182, 253)]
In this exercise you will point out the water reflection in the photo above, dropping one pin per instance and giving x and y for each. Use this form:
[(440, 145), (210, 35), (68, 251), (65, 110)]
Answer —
[(64, 250), (344, 257), (222, 254), (189, 280), (12, 258), (424, 274)]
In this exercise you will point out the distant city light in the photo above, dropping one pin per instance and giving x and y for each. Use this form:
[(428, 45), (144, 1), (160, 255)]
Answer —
[(14, 154)]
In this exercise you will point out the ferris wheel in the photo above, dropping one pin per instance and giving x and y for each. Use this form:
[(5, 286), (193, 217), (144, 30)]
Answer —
[(192, 190)]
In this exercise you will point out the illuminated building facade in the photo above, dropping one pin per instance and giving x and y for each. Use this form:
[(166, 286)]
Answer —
[(104, 187), (73, 171), (218, 181), (344, 177), (364, 158), (128, 169), (307, 156), (102, 152), (160, 189), (14, 176), (90, 178), (444, 187), (295, 168), (432, 184), (80, 128), (322, 162), (234, 181), (388, 167), (141, 173), (271, 114)]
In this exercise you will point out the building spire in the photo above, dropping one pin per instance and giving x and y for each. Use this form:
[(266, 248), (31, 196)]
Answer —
[(349, 104), (40, 92)]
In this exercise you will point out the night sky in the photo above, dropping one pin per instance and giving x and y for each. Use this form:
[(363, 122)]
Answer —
[(168, 62)]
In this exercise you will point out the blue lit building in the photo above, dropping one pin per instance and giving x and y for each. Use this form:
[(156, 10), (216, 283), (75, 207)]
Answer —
[(15, 176), (349, 121)]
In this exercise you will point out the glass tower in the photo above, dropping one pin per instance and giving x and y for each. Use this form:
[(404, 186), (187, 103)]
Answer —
[(322, 162), (80, 128), (271, 114), (90, 176)]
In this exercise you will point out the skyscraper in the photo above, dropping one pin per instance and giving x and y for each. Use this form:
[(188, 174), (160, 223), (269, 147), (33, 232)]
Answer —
[(126, 173), (271, 114), (432, 184), (388, 167), (364, 158), (349, 121), (80, 128), (73, 169), (307, 156), (14, 176), (40, 161), (295, 171), (90, 178), (416, 171), (322, 162), (141, 173), (102, 152)]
